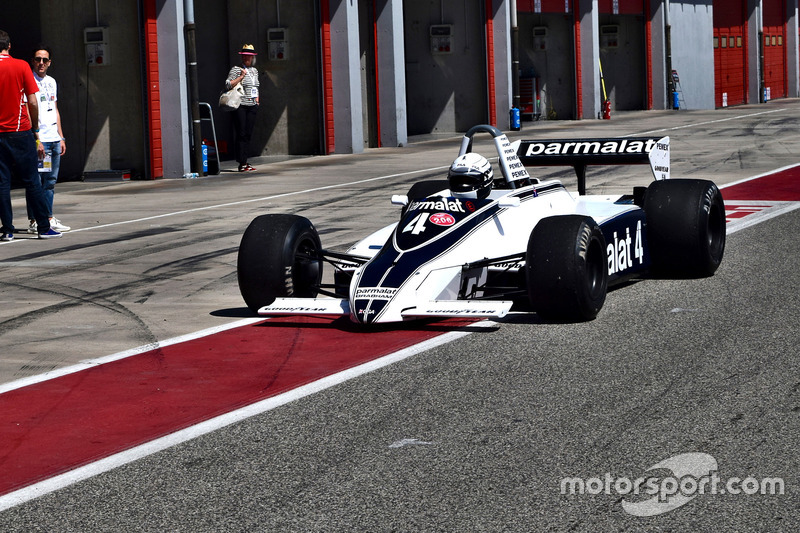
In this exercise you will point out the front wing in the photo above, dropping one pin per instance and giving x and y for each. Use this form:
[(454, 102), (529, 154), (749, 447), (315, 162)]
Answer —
[(436, 308)]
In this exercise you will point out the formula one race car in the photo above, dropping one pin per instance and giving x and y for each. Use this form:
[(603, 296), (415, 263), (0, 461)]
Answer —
[(474, 245)]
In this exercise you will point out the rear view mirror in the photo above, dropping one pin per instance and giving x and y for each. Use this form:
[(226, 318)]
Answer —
[(399, 199)]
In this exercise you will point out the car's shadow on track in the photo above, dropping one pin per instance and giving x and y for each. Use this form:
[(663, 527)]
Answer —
[(466, 325), (520, 314), (233, 312)]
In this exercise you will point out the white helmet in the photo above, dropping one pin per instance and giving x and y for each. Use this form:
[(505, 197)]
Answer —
[(470, 176)]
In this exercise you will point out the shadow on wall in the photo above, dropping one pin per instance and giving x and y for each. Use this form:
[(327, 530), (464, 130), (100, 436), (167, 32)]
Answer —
[(113, 127), (100, 107), (445, 92)]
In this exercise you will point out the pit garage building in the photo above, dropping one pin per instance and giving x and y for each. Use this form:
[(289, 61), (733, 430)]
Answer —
[(339, 76)]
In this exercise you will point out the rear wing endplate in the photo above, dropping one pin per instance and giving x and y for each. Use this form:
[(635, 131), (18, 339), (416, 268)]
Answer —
[(580, 153)]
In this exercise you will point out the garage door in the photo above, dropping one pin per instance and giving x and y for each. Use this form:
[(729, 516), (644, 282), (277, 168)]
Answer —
[(730, 53), (774, 48), (624, 46)]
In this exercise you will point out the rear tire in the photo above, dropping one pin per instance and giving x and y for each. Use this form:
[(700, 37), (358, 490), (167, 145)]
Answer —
[(278, 257), (565, 268), (685, 227)]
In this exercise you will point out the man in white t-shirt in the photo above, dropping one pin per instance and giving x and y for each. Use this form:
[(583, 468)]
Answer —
[(49, 134)]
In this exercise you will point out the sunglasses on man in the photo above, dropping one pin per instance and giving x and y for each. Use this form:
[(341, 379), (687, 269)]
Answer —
[(41, 60)]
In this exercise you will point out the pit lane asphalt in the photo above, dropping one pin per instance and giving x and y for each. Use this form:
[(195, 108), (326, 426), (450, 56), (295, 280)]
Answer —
[(502, 415)]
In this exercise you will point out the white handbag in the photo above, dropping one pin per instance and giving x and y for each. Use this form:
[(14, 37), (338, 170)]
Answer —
[(230, 100)]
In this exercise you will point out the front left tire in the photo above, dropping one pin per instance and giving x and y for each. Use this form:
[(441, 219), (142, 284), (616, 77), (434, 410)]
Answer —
[(565, 268)]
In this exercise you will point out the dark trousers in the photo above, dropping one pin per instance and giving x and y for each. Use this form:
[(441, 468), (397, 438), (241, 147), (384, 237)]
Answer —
[(18, 156), (244, 120)]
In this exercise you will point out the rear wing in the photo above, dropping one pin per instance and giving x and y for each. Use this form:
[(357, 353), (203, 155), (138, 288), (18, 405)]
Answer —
[(580, 153)]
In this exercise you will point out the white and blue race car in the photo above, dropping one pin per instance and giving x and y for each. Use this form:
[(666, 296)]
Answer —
[(474, 245)]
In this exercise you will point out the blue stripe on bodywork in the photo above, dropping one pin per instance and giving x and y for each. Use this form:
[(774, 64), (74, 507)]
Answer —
[(391, 268)]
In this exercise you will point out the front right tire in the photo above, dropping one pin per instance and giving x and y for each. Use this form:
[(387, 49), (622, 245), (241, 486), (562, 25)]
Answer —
[(685, 227)]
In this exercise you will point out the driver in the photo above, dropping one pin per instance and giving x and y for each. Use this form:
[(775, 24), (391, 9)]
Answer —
[(470, 176)]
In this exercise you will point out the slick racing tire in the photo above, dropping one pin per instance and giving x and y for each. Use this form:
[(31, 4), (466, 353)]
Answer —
[(424, 189), (685, 227), (278, 257), (565, 268)]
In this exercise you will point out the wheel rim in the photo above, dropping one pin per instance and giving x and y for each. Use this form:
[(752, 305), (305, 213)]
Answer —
[(306, 269), (595, 266), (715, 231)]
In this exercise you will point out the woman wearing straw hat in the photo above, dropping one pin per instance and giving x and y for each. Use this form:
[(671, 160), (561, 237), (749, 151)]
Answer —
[(244, 118)]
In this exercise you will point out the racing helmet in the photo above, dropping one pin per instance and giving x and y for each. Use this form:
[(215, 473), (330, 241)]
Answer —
[(470, 176)]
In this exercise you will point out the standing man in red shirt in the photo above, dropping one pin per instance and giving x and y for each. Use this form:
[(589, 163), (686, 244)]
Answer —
[(19, 144)]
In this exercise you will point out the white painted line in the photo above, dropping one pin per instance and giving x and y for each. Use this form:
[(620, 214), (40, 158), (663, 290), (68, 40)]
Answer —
[(261, 199), (109, 463), (89, 363), (708, 122), (251, 200), (47, 486), (754, 203), (40, 263), (389, 176), (761, 216)]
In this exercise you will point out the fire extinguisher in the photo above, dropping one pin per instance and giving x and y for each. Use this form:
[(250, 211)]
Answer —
[(606, 104)]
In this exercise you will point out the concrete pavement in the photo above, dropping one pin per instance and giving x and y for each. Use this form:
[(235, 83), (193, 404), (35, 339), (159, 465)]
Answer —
[(148, 261)]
